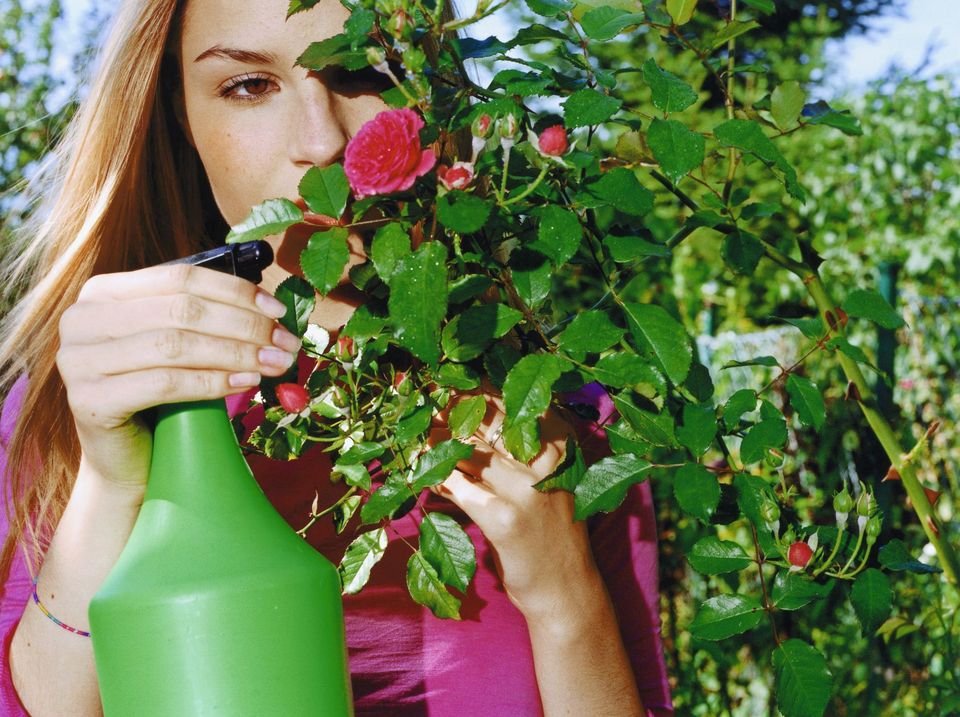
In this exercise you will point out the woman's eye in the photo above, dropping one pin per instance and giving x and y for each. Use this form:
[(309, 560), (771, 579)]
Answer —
[(247, 88)]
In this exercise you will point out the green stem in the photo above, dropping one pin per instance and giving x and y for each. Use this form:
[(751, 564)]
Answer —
[(833, 553), (530, 187), (876, 420), (856, 549)]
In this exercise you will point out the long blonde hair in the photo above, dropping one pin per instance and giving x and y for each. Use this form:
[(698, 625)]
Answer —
[(123, 190)]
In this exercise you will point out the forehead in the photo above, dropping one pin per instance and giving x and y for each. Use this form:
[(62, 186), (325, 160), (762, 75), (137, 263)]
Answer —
[(257, 24)]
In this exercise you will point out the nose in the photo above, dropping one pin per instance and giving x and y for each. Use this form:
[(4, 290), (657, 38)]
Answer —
[(317, 136)]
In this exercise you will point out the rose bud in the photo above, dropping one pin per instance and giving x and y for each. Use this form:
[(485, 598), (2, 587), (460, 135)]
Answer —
[(377, 59), (293, 397), (459, 176), (481, 126), (344, 347), (799, 554), (552, 142), (507, 127), (399, 25)]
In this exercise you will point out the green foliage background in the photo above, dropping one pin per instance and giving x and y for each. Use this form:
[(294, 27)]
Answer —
[(891, 195)]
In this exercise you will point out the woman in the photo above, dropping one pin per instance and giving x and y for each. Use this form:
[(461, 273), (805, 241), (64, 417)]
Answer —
[(198, 107)]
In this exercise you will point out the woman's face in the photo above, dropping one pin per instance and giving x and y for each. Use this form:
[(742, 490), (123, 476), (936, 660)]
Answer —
[(257, 120)]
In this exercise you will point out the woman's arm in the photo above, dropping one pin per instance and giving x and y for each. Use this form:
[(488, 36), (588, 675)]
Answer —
[(545, 562), (53, 669)]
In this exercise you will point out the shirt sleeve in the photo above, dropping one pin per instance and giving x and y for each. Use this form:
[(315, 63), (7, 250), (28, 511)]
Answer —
[(18, 586)]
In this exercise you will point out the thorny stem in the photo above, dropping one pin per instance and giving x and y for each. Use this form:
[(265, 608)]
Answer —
[(728, 101), (316, 516), (833, 553), (884, 432), (529, 188), (763, 586)]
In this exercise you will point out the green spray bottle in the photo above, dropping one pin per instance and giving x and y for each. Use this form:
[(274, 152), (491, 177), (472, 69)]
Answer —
[(216, 606)]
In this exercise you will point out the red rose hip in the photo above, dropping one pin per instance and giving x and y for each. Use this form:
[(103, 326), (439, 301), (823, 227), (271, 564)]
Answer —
[(293, 397), (799, 554)]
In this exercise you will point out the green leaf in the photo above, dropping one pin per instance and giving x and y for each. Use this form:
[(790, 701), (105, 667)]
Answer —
[(676, 148), (325, 190), (466, 416), (604, 485), (654, 428), (841, 344), (325, 258), (620, 189), (622, 369), (528, 387), (758, 361), (266, 219), (470, 333), (626, 249), (588, 107), (463, 213), (733, 29), (811, 328), (726, 615), (590, 331), (361, 453), (436, 465), (390, 244), (765, 6), (803, 681), (806, 400), (467, 286), (354, 475), (550, 8), (605, 22), (749, 137), (699, 427), (820, 112), (359, 24), (770, 433), (498, 361), (568, 473), (361, 555), (558, 235), (624, 439), (448, 549), (299, 298), (427, 589), (872, 599), (712, 556), (870, 305), (522, 439), (742, 252), (792, 591), (458, 376), (418, 300), (786, 104), (344, 512), (413, 424), (697, 491), (670, 93), (681, 10), (385, 499), (895, 556), (532, 275), (653, 328), (299, 6), (743, 401), (336, 50), (363, 324)]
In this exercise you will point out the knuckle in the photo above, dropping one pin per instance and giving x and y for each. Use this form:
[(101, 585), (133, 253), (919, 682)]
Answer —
[(208, 383), (166, 383), (186, 310), (241, 357), (179, 276), (169, 344), (508, 520), (91, 287), (252, 325)]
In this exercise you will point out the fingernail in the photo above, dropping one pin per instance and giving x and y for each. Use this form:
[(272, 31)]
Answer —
[(270, 305), (285, 340), (250, 378), (275, 357)]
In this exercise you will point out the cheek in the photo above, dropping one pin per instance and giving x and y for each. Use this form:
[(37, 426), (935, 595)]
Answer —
[(237, 161)]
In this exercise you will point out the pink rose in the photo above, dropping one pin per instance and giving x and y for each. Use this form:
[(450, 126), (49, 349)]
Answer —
[(458, 176), (385, 155), (552, 142)]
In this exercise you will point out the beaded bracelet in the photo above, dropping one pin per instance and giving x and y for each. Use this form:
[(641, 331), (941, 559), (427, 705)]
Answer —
[(43, 609)]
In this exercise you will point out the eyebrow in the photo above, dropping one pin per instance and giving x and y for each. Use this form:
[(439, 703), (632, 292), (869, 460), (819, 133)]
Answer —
[(232, 53)]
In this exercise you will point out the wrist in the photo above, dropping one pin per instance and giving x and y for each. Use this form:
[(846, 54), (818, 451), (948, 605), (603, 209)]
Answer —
[(95, 486), (570, 606)]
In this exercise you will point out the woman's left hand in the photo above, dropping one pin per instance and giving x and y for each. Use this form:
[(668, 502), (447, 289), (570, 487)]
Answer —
[(538, 547)]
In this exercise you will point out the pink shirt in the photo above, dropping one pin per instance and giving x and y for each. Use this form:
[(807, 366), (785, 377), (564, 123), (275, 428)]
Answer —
[(403, 660)]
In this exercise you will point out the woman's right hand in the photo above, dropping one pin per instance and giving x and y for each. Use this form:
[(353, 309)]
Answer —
[(164, 334)]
